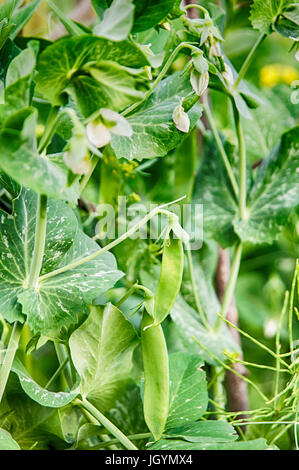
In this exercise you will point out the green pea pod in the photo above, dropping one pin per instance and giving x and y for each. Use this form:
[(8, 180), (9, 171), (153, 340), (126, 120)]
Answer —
[(156, 376), (170, 278)]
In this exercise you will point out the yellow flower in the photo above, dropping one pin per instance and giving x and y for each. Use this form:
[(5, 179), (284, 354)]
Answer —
[(271, 75)]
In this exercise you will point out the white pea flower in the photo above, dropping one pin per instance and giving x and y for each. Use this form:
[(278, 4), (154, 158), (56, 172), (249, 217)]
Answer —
[(215, 50), (108, 122), (228, 75), (181, 119), (80, 167), (199, 81)]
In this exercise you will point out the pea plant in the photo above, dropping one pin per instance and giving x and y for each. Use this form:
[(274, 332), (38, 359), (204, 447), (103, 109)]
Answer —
[(112, 337)]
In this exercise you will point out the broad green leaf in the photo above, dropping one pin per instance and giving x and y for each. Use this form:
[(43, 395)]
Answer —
[(56, 301), (19, 78), (10, 185), (188, 398), (117, 21), (275, 116), (154, 132), (22, 65), (71, 60), (7, 54), (120, 85), (148, 13), (270, 198), (127, 413), (213, 190), (174, 444), (274, 194), (288, 23), (205, 432), (38, 393), (7, 442), (32, 426), (17, 242), (20, 160), (265, 12), (101, 350), (189, 327), (59, 299)]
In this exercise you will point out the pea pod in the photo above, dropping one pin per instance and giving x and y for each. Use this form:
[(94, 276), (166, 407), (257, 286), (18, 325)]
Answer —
[(170, 278), (156, 376)]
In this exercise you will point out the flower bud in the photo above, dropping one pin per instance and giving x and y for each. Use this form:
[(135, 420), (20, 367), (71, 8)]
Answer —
[(199, 81), (228, 75), (181, 119)]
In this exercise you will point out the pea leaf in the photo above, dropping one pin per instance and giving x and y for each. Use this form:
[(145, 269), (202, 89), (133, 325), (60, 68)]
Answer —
[(56, 301), (19, 79), (188, 398), (68, 73), (207, 435), (274, 193), (17, 240), (154, 132), (101, 350), (20, 160), (148, 13), (7, 442), (265, 12), (59, 299), (38, 393), (32, 426), (270, 198), (205, 432), (117, 21), (127, 413), (190, 328), (288, 23), (213, 190)]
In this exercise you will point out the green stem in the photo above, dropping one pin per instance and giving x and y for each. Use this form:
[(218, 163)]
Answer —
[(220, 145), (248, 60), (225, 366), (106, 423), (231, 284), (62, 358), (127, 295), (255, 341), (133, 437), (56, 373), (111, 245), (242, 164), (86, 178), (49, 129), (277, 346), (9, 356), (218, 390), (291, 308), (40, 239), (161, 75)]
